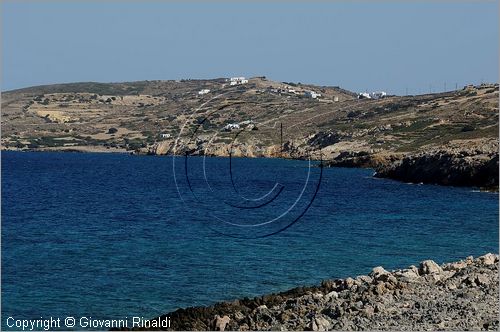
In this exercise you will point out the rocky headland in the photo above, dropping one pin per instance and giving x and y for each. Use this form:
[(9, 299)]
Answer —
[(459, 164), (461, 295)]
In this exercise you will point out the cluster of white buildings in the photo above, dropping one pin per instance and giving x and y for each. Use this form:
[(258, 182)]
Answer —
[(231, 126), (248, 123), (237, 80), (372, 95), (285, 90), (203, 92), (282, 90)]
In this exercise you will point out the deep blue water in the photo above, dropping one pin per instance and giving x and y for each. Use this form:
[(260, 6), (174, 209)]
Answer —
[(107, 235)]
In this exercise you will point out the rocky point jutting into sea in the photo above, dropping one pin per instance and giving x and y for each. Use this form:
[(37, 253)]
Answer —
[(456, 165), (461, 295)]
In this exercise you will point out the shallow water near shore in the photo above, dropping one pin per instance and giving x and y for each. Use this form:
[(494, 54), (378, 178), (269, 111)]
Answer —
[(107, 235)]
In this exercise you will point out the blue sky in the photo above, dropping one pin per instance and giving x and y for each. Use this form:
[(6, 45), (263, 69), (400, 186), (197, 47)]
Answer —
[(358, 45)]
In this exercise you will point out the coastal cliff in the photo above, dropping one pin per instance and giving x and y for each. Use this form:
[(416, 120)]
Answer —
[(461, 295), (458, 164)]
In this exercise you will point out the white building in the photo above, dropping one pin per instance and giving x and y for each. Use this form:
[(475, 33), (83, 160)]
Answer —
[(246, 122), (166, 135), (312, 94), (203, 91), (232, 126), (378, 94), (237, 80), (372, 95)]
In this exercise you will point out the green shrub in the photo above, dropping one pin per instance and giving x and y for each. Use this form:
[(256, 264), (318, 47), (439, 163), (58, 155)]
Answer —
[(467, 128)]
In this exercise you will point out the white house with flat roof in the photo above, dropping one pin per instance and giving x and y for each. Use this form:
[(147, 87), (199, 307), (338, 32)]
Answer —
[(372, 95), (312, 94), (378, 94), (364, 95), (237, 80)]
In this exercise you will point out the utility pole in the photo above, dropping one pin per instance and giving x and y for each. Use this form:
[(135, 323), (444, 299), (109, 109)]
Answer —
[(444, 87), (281, 138)]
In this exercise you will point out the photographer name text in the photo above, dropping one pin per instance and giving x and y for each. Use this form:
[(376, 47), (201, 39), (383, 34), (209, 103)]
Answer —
[(49, 323)]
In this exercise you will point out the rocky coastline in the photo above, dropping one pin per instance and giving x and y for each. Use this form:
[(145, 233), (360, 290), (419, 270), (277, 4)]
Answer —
[(449, 165), (462, 295), (455, 164), (472, 163)]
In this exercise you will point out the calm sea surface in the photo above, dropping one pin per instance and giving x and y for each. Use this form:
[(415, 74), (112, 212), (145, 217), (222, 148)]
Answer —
[(108, 236)]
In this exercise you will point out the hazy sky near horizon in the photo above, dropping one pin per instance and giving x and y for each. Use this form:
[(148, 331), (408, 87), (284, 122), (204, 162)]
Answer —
[(356, 45)]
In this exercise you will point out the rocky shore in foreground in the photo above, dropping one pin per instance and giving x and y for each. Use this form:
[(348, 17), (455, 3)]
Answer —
[(455, 296)]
